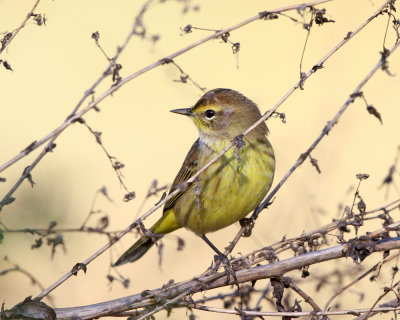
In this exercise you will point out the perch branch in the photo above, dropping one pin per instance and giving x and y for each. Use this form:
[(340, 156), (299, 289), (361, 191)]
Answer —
[(151, 297)]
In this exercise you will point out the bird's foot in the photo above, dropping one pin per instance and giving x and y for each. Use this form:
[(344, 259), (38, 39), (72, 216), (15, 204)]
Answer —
[(227, 267)]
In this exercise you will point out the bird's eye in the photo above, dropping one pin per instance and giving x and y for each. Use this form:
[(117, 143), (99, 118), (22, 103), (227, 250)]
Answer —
[(210, 114)]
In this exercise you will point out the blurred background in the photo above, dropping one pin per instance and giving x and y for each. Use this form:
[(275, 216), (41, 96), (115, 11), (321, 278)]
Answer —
[(54, 64)]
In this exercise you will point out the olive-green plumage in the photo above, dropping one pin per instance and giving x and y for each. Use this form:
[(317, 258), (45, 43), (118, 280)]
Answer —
[(230, 188)]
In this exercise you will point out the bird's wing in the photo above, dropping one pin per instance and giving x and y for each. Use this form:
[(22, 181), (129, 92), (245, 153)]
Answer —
[(188, 169)]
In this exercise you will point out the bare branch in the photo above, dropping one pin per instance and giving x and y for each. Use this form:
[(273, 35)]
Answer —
[(213, 281)]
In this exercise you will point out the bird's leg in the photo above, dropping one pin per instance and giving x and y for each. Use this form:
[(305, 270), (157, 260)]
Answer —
[(224, 260)]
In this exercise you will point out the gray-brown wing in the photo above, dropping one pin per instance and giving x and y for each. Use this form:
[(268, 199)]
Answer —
[(188, 169)]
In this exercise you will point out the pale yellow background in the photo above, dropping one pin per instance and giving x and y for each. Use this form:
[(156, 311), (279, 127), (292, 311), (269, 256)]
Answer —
[(53, 66)]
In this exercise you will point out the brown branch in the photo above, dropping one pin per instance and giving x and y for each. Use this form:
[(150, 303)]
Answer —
[(210, 282)]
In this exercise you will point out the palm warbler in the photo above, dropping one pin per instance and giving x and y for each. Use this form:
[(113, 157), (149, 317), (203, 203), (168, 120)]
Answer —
[(230, 188)]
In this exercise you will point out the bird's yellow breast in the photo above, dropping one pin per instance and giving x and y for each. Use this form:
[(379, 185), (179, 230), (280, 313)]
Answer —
[(229, 189)]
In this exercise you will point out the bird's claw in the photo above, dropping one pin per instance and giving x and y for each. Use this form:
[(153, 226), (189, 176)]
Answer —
[(227, 267)]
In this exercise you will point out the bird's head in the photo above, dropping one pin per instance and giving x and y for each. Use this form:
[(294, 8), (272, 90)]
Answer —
[(224, 114)]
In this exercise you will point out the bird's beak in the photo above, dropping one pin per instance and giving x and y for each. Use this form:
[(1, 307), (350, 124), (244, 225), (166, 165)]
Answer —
[(184, 111)]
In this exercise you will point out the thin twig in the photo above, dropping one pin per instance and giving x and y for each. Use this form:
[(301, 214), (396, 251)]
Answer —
[(306, 41), (380, 298), (15, 32), (34, 281), (163, 306), (389, 304), (376, 266), (387, 27), (304, 295)]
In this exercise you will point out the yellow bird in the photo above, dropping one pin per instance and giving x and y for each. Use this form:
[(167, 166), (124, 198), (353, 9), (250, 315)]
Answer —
[(230, 188)]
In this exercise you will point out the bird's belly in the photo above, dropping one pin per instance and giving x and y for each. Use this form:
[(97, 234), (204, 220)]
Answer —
[(227, 192)]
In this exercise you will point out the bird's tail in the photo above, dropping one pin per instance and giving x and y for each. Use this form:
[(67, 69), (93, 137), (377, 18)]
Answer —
[(166, 224), (135, 252)]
